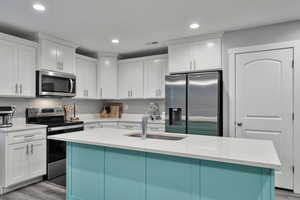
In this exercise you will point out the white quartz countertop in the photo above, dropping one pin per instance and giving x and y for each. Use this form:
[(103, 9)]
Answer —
[(259, 153), (21, 127)]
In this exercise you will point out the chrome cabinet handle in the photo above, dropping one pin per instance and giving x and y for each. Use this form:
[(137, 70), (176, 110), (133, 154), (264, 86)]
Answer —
[(31, 148), (100, 92), (128, 93), (239, 124), (131, 93), (195, 65), (190, 65), (87, 93), (21, 89), (27, 149), (16, 89)]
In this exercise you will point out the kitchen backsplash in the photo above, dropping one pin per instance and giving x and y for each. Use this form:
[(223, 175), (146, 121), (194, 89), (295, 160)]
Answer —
[(83, 106), (141, 106)]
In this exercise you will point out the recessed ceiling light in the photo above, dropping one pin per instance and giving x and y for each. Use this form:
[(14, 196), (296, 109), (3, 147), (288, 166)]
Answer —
[(39, 7), (115, 41), (194, 26)]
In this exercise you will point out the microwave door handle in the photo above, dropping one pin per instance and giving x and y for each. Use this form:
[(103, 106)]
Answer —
[(71, 83)]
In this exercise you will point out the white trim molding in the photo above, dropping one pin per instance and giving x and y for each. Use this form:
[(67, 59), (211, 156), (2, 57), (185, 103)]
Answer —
[(232, 104)]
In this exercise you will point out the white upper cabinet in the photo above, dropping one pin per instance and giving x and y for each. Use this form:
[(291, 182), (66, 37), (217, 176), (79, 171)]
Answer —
[(86, 74), (201, 55), (108, 78), (17, 66), (8, 68), (154, 77), (57, 55), (180, 59), (131, 79), (206, 54), (27, 66)]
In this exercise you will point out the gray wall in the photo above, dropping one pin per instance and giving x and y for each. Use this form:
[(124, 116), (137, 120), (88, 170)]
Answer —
[(254, 36), (83, 106)]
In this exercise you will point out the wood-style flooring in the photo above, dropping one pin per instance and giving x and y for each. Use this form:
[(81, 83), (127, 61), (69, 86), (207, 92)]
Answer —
[(46, 191), (39, 191)]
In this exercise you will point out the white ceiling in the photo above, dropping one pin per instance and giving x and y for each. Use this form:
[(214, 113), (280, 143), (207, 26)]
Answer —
[(93, 23)]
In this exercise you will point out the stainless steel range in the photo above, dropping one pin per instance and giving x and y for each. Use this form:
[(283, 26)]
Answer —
[(56, 150)]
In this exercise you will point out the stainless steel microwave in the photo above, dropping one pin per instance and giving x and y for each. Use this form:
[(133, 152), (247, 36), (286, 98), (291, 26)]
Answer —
[(51, 83)]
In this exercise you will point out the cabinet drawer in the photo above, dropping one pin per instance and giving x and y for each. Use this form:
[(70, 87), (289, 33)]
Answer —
[(156, 127), (109, 125), (91, 126), (130, 126), (26, 136)]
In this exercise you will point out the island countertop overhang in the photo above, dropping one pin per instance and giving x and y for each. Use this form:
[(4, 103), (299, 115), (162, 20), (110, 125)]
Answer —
[(257, 153)]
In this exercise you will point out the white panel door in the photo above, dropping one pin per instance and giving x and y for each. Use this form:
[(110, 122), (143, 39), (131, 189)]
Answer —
[(37, 158), (27, 67), (180, 59), (8, 68), (17, 163), (264, 104), (108, 73)]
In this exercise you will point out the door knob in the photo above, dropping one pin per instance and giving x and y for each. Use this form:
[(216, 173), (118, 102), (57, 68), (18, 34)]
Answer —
[(239, 124)]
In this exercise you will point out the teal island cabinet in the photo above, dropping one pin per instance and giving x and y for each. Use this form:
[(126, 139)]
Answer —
[(109, 165)]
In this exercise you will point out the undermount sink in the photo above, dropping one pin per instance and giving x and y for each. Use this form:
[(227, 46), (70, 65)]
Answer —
[(158, 136)]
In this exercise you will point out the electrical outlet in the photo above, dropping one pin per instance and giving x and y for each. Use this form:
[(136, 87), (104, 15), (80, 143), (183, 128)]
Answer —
[(125, 107)]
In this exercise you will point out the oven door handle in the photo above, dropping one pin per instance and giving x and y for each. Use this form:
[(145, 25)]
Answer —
[(72, 85), (64, 127)]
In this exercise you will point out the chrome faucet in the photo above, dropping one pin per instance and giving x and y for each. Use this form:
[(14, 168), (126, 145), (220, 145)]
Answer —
[(144, 126)]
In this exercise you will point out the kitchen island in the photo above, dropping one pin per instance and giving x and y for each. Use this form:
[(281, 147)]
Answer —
[(108, 164)]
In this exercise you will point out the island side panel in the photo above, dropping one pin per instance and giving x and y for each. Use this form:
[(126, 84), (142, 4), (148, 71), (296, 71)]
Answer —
[(96, 172), (221, 181), (85, 172), (170, 177), (124, 174)]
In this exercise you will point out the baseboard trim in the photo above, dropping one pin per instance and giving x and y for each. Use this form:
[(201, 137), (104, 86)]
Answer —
[(4, 190)]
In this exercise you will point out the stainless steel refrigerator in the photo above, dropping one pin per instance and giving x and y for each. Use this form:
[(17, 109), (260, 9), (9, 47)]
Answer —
[(194, 103)]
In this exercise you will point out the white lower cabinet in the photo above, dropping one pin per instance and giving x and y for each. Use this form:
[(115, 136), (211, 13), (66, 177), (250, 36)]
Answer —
[(25, 161), (23, 156), (17, 163)]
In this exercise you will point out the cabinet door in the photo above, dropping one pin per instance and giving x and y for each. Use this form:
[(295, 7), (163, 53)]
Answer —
[(86, 71), (17, 163), (136, 79), (66, 57), (124, 174), (26, 67), (154, 75), (37, 158), (8, 68), (108, 74), (91, 79), (124, 80), (207, 54), (49, 55), (180, 59), (80, 78)]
